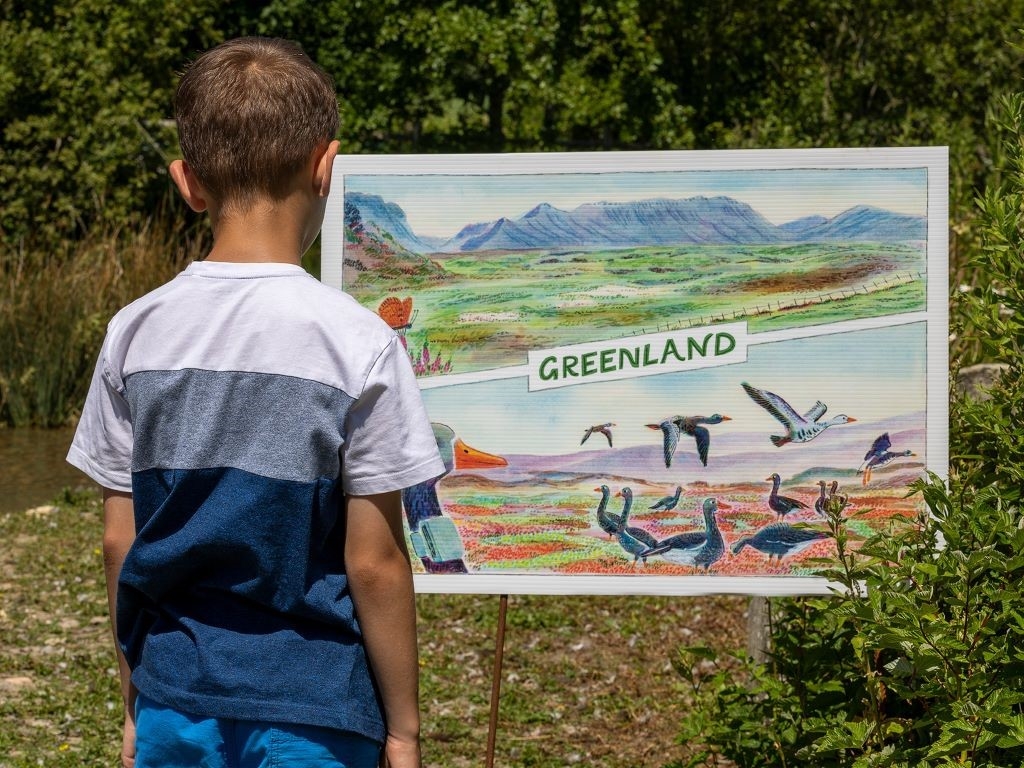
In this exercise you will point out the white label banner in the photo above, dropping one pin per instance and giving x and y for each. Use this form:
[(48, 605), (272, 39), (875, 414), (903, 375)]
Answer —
[(644, 355)]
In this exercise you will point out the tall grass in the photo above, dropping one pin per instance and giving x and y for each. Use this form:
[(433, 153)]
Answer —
[(55, 305)]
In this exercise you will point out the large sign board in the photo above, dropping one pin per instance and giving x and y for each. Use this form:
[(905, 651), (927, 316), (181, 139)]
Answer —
[(646, 370)]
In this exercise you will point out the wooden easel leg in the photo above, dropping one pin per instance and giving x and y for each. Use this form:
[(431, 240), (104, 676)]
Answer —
[(499, 650), (757, 629)]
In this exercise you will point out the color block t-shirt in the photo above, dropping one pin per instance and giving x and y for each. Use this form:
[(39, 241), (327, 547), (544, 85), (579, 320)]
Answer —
[(239, 403)]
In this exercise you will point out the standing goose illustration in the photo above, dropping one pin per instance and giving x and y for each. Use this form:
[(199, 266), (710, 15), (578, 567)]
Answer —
[(697, 548), (799, 429), (781, 505), (779, 540), (633, 540), (672, 427), (609, 522), (819, 503), (879, 455), (435, 539), (604, 429), (667, 503)]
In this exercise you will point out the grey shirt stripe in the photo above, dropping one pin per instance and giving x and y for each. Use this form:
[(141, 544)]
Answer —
[(217, 413)]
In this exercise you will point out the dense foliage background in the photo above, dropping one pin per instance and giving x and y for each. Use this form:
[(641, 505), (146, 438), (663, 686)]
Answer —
[(918, 661), (85, 85)]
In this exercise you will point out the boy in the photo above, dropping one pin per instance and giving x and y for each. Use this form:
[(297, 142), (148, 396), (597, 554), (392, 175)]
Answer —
[(251, 429)]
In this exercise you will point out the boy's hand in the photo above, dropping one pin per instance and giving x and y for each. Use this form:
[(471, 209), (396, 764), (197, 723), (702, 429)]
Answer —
[(400, 754), (128, 741)]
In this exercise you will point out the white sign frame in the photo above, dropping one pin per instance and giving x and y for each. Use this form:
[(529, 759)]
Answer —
[(862, 174)]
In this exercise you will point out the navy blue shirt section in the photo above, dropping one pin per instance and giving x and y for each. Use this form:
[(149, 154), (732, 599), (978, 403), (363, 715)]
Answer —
[(203, 627)]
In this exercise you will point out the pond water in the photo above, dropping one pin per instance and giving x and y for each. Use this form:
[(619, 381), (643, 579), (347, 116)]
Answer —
[(32, 467)]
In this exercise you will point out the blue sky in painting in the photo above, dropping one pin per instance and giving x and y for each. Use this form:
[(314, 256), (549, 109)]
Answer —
[(440, 205), (872, 375)]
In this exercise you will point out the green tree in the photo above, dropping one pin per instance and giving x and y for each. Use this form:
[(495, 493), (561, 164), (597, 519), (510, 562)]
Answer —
[(85, 85), (488, 75), (85, 107)]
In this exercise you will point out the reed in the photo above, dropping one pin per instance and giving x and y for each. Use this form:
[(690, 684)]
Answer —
[(55, 305)]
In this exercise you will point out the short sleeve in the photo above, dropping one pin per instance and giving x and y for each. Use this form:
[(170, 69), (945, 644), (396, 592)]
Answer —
[(102, 446), (389, 443)]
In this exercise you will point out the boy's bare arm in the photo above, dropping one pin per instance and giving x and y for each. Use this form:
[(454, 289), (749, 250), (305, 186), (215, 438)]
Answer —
[(380, 578), (118, 535)]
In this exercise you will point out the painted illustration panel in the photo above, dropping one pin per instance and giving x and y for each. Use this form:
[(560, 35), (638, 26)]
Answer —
[(647, 372)]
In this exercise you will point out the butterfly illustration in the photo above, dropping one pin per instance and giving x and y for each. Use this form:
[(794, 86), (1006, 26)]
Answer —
[(397, 313)]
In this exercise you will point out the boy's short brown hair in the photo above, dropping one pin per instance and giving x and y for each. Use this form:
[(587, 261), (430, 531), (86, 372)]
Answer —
[(250, 114)]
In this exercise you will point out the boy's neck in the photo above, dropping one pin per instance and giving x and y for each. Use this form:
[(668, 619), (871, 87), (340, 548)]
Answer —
[(264, 234)]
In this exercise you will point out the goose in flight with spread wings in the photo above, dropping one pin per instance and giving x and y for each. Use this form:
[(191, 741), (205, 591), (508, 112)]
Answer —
[(879, 455), (799, 429), (604, 429), (675, 426)]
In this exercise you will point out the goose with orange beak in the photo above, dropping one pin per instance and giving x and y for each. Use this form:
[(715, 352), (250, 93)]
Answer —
[(435, 539)]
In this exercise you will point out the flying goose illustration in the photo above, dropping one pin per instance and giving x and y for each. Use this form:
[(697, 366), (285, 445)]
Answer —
[(604, 429), (879, 455), (672, 427), (799, 429)]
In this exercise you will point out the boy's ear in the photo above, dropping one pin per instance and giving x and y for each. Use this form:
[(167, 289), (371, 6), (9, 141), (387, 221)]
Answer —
[(322, 169), (188, 186)]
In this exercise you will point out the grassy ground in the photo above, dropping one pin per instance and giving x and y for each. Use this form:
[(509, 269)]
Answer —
[(586, 680)]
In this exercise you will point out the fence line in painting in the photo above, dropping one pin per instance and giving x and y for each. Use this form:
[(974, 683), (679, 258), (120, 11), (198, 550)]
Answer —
[(879, 284)]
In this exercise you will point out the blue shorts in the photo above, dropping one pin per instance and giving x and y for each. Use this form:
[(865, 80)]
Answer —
[(166, 738)]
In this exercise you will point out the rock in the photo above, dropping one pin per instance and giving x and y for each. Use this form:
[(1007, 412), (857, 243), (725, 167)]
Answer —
[(15, 683), (44, 511), (975, 381)]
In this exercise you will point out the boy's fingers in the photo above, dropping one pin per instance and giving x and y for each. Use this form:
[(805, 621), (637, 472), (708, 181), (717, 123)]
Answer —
[(128, 742)]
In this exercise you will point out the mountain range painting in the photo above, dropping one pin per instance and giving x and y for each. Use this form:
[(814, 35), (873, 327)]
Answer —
[(691, 221), (655, 370)]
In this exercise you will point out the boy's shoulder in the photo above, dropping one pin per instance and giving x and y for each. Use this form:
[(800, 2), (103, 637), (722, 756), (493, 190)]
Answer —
[(292, 288), (275, 318)]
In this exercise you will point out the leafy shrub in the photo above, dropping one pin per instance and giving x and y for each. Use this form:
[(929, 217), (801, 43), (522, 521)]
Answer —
[(925, 668), (919, 660)]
